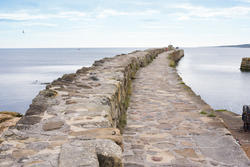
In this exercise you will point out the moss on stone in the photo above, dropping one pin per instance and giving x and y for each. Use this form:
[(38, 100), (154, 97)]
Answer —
[(122, 122), (183, 83), (220, 110), (212, 114), (123, 117), (203, 112), (172, 63)]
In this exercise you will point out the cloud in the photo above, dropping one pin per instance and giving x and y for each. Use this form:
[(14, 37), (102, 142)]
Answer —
[(160, 26), (40, 24), (248, 1), (71, 15), (111, 12), (138, 3), (24, 15), (192, 12)]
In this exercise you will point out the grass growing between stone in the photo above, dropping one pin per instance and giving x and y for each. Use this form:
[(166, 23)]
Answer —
[(122, 122)]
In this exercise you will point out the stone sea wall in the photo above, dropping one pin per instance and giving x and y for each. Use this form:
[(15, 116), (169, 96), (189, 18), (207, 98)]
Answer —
[(245, 64), (175, 56), (76, 120)]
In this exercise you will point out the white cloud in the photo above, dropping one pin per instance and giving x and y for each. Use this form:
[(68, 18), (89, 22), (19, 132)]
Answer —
[(191, 11), (20, 16), (248, 1), (71, 15), (161, 26), (111, 12), (40, 24), (24, 15), (139, 3)]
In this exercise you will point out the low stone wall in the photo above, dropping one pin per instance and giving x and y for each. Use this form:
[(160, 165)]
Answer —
[(245, 64), (175, 56), (75, 120)]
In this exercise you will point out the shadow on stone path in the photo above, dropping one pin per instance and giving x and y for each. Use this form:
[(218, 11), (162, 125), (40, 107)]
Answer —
[(165, 128)]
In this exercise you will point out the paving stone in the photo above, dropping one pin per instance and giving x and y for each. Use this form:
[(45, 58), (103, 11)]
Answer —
[(165, 117), (156, 158), (187, 152), (37, 145), (132, 165), (74, 155), (22, 153), (53, 125)]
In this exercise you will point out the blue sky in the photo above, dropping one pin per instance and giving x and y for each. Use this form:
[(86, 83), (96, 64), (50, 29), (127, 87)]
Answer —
[(123, 23)]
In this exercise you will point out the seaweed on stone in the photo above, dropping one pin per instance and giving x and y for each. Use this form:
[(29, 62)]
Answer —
[(203, 112)]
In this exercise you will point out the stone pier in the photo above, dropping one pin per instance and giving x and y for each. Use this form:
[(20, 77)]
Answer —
[(78, 119), (166, 124)]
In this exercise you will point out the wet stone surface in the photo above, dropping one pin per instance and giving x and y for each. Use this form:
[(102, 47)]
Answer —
[(165, 127)]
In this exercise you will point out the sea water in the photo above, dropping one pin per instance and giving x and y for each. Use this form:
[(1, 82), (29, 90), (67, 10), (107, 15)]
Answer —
[(214, 74)]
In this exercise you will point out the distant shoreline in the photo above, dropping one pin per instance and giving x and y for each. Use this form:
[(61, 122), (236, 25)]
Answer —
[(237, 46)]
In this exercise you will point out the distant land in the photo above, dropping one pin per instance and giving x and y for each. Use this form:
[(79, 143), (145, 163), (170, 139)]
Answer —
[(238, 46)]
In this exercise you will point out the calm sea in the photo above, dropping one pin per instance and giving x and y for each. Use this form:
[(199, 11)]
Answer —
[(22, 71), (214, 74)]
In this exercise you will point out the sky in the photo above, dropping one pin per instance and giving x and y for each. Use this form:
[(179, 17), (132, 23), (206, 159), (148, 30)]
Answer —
[(123, 23)]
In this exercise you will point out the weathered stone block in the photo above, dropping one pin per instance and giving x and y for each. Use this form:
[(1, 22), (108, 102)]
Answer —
[(53, 125), (78, 153), (245, 64)]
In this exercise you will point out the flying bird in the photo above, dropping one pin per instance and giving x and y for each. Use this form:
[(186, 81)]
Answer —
[(23, 31)]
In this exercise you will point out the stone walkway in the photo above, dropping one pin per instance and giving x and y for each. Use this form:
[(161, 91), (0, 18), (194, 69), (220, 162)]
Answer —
[(165, 127)]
